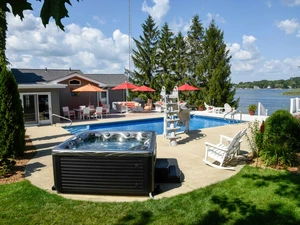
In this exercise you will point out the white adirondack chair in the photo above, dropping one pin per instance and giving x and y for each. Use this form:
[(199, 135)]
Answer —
[(209, 108), (224, 151)]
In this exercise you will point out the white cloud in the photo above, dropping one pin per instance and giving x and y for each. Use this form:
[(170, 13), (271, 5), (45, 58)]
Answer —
[(216, 17), (249, 51), (291, 2), (99, 20), (180, 26), (30, 45), (269, 4), (158, 11), (289, 26)]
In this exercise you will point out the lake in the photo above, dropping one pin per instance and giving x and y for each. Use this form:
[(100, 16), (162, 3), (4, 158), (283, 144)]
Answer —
[(271, 99)]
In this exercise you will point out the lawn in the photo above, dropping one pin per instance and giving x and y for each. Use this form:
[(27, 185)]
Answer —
[(253, 196)]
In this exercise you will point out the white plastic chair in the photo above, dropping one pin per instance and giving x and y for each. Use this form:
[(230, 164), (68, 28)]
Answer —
[(98, 112), (224, 151), (209, 108), (227, 108), (68, 113), (106, 110), (86, 113)]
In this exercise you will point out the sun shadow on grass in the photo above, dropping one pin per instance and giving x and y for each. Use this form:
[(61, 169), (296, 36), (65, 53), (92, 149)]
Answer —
[(244, 212), (138, 217)]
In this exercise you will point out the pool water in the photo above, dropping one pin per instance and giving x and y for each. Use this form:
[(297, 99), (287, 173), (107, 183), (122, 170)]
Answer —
[(155, 124)]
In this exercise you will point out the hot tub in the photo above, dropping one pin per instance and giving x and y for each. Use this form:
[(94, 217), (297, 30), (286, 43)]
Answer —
[(106, 162)]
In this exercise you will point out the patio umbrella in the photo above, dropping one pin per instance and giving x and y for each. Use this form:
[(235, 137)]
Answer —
[(125, 86), (88, 88), (187, 87), (144, 89)]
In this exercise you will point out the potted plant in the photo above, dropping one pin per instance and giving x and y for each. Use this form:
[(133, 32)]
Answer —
[(252, 108), (200, 105)]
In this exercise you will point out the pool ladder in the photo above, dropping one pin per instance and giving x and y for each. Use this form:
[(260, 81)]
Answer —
[(65, 118), (232, 114)]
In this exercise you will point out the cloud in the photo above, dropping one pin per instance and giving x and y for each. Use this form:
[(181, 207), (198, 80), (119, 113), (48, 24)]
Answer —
[(269, 4), (84, 48), (216, 17), (180, 26), (158, 11), (249, 52), (289, 26), (291, 2), (99, 20), (245, 59)]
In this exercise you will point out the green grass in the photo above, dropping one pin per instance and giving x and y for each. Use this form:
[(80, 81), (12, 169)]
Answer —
[(292, 92), (253, 196)]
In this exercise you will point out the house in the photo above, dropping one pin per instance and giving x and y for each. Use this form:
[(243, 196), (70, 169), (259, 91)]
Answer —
[(44, 92)]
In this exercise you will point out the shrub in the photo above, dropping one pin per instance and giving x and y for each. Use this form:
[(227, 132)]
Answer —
[(280, 139), (12, 138)]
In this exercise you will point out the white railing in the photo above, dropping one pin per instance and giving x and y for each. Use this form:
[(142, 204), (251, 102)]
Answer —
[(295, 105), (62, 118), (262, 111)]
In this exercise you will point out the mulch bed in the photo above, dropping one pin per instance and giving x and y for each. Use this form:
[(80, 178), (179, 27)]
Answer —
[(18, 172)]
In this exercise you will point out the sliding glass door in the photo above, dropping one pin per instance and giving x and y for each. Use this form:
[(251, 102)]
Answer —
[(37, 108)]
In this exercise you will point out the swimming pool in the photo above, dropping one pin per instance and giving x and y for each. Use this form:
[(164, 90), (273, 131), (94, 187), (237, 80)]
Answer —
[(153, 124)]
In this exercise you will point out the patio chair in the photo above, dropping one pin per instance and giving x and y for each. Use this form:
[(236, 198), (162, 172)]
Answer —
[(148, 105), (98, 112), (106, 109), (209, 108), (68, 113), (223, 152), (228, 108), (86, 113)]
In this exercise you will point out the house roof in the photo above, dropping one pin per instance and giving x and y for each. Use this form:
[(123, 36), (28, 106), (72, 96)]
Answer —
[(35, 76), (39, 76), (111, 80)]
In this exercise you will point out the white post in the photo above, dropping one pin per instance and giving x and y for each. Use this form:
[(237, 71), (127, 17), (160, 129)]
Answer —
[(291, 105)]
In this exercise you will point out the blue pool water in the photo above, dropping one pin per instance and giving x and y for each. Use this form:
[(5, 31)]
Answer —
[(155, 124)]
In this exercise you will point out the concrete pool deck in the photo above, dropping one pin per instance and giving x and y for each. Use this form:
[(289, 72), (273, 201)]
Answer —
[(189, 153)]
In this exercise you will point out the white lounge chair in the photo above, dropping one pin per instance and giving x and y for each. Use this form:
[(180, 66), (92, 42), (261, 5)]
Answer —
[(209, 108), (228, 108), (224, 151)]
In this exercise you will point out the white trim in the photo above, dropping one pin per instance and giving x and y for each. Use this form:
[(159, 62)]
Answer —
[(45, 85), (80, 76)]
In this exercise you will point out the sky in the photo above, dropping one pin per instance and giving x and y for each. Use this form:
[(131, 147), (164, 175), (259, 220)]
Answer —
[(262, 36)]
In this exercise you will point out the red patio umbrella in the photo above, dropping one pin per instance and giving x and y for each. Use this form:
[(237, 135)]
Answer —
[(125, 86), (144, 89), (88, 88), (187, 87)]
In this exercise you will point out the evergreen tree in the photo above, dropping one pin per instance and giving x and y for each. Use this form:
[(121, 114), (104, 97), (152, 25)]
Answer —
[(144, 58), (12, 138), (195, 54), (165, 60), (3, 60), (215, 67), (180, 66)]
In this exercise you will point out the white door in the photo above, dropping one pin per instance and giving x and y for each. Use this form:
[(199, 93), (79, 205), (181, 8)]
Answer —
[(37, 108)]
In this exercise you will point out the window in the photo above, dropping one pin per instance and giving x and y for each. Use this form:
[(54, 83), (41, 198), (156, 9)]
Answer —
[(74, 82)]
